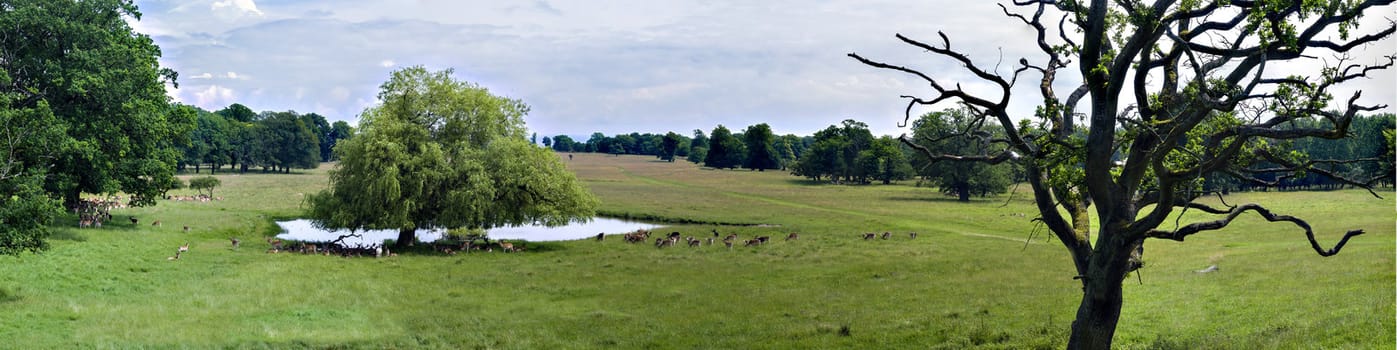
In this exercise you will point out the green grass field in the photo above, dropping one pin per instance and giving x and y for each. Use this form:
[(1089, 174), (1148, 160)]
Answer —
[(969, 280)]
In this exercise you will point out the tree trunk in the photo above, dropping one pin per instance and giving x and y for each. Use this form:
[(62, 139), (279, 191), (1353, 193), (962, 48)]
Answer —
[(963, 192), (406, 237), (1100, 309), (1097, 315)]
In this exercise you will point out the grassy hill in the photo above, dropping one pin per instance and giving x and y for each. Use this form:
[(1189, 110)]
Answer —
[(970, 279)]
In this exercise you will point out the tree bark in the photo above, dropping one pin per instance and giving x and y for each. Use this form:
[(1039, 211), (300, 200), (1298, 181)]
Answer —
[(1098, 314), (406, 237), (963, 192), (1100, 309)]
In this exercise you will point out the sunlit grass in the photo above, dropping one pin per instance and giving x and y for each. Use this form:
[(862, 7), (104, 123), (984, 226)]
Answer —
[(969, 280)]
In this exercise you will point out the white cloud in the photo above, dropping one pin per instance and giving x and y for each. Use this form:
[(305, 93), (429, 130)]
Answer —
[(213, 97), (242, 6), (613, 67)]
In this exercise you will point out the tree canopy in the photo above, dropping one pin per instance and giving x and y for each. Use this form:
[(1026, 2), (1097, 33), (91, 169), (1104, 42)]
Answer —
[(941, 131), (1172, 92), (83, 105), (442, 153)]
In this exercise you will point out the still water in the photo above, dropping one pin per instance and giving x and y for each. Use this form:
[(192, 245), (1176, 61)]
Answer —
[(302, 230)]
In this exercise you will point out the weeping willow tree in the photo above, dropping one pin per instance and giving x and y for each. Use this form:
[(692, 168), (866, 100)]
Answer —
[(1171, 91), (441, 153)]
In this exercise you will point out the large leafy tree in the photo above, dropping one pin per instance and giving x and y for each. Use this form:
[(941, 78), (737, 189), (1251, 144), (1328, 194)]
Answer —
[(724, 150), (884, 161), (442, 153), (669, 146), (1172, 91), (942, 133), (761, 148), (101, 81)]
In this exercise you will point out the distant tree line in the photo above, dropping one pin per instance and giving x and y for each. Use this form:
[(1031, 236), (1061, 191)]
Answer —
[(848, 153), (1369, 137), (242, 139)]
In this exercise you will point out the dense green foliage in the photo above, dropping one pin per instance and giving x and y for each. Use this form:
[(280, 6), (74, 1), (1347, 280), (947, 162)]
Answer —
[(761, 148), (942, 131), (204, 185), (277, 141), (82, 110), (445, 154), (724, 149)]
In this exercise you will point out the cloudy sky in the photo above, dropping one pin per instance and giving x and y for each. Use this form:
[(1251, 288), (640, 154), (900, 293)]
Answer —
[(588, 66)]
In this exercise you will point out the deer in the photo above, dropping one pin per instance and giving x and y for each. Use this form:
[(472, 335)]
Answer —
[(763, 239), (728, 244), (601, 236), (186, 228), (887, 234), (184, 248), (913, 235), (156, 223), (869, 236), (134, 221), (752, 242), (792, 236), (235, 242), (694, 242), (715, 233), (710, 240), (176, 257), (506, 246)]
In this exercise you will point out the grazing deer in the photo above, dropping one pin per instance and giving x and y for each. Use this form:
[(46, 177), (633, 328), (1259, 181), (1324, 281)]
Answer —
[(913, 234), (133, 221), (752, 242), (235, 242), (715, 233), (276, 243), (730, 237), (85, 223), (763, 239), (506, 246), (600, 236), (887, 234), (184, 248), (694, 242), (176, 257), (156, 223), (710, 240), (869, 236), (186, 228), (728, 244), (792, 236), (674, 235)]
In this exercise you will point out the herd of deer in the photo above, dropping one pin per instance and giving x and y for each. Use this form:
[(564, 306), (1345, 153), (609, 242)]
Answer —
[(197, 198), (673, 239)]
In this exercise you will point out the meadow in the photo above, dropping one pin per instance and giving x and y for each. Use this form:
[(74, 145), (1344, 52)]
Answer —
[(971, 279)]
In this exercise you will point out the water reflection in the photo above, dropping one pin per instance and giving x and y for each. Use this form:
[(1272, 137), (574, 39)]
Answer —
[(303, 230)]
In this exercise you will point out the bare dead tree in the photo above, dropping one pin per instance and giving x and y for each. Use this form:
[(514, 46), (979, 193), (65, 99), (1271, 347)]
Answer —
[(1200, 101)]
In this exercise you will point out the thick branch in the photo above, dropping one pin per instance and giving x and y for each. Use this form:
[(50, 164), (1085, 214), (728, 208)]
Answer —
[(1183, 232)]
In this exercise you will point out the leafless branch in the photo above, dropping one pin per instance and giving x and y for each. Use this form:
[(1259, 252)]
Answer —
[(1183, 232)]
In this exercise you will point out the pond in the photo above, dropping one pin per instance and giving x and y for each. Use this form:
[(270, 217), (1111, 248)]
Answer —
[(303, 230)]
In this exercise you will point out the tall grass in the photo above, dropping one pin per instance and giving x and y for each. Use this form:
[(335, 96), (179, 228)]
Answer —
[(969, 279)]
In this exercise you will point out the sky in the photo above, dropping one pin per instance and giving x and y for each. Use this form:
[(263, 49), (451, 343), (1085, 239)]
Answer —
[(605, 66)]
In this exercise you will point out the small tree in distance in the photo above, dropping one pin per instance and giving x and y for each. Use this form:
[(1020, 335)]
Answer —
[(204, 183), (1201, 101)]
